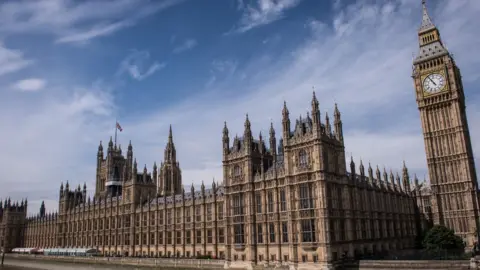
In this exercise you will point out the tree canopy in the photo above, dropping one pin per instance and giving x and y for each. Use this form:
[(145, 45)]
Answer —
[(442, 238)]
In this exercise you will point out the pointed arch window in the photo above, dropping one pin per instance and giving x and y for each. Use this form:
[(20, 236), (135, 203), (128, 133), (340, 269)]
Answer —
[(302, 158), (237, 171)]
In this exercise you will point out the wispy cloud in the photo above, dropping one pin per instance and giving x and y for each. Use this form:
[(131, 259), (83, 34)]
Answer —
[(221, 70), (185, 46), (261, 13), (95, 31), (29, 85), (11, 60), (76, 21), (139, 65)]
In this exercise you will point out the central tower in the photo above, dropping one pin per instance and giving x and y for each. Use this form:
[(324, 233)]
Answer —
[(441, 102), (170, 180)]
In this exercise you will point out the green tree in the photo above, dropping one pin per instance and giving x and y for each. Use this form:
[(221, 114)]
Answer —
[(440, 238)]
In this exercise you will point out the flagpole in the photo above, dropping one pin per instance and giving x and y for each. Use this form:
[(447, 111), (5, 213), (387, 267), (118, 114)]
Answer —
[(116, 132)]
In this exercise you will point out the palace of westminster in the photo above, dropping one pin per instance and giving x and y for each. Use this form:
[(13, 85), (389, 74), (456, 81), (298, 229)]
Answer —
[(289, 200)]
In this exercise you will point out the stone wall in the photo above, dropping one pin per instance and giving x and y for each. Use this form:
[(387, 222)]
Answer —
[(420, 265), (167, 263), (220, 264)]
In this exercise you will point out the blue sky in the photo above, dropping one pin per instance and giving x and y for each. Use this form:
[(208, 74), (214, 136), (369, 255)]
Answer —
[(69, 68)]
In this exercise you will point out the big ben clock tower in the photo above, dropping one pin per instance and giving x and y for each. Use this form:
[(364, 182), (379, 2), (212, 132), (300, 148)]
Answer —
[(441, 102)]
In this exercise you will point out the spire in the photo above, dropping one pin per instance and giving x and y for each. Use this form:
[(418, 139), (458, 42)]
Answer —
[(406, 178), (100, 147), (248, 131), (427, 23), (362, 168), (352, 168), (314, 100), (392, 178), (170, 136), (285, 112), (337, 121), (170, 153), (135, 170), (398, 182), (286, 122), (272, 131), (154, 173), (370, 173), (225, 129), (328, 127), (336, 113), (272, 140), (225, 139), (429, 39), (315, 111), (110, 144), (42, 209), (385, 176)]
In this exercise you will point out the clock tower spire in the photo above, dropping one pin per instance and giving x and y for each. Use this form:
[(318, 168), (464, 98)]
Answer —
[(441, 102)]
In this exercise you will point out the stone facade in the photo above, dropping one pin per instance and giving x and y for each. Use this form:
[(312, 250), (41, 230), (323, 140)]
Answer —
[(298, 204), (289, 201)]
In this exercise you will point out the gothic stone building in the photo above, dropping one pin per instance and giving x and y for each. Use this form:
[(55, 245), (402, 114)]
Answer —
[(291, 203)]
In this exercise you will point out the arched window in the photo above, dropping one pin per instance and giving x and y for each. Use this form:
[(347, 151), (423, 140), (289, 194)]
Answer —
[(237, 171), (302, 158)]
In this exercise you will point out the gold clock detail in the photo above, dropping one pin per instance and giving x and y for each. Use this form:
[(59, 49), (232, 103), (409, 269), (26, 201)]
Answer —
[(434, 83)]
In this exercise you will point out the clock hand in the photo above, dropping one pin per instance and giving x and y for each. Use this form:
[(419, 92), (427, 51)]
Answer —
[(432, 81)]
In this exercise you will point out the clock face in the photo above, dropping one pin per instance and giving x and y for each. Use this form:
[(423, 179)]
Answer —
[(433, 83)]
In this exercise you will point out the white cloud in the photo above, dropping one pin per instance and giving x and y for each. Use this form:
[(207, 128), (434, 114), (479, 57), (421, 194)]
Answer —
[(185, 46), (76, 21), (11, 60), (137, 65), (262, 13), (363, 63), (30, 85)]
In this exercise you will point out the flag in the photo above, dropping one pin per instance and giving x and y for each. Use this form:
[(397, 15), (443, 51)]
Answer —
[(119, 127)]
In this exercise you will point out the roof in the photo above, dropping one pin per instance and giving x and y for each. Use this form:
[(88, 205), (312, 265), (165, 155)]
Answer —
[(427, 23)]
